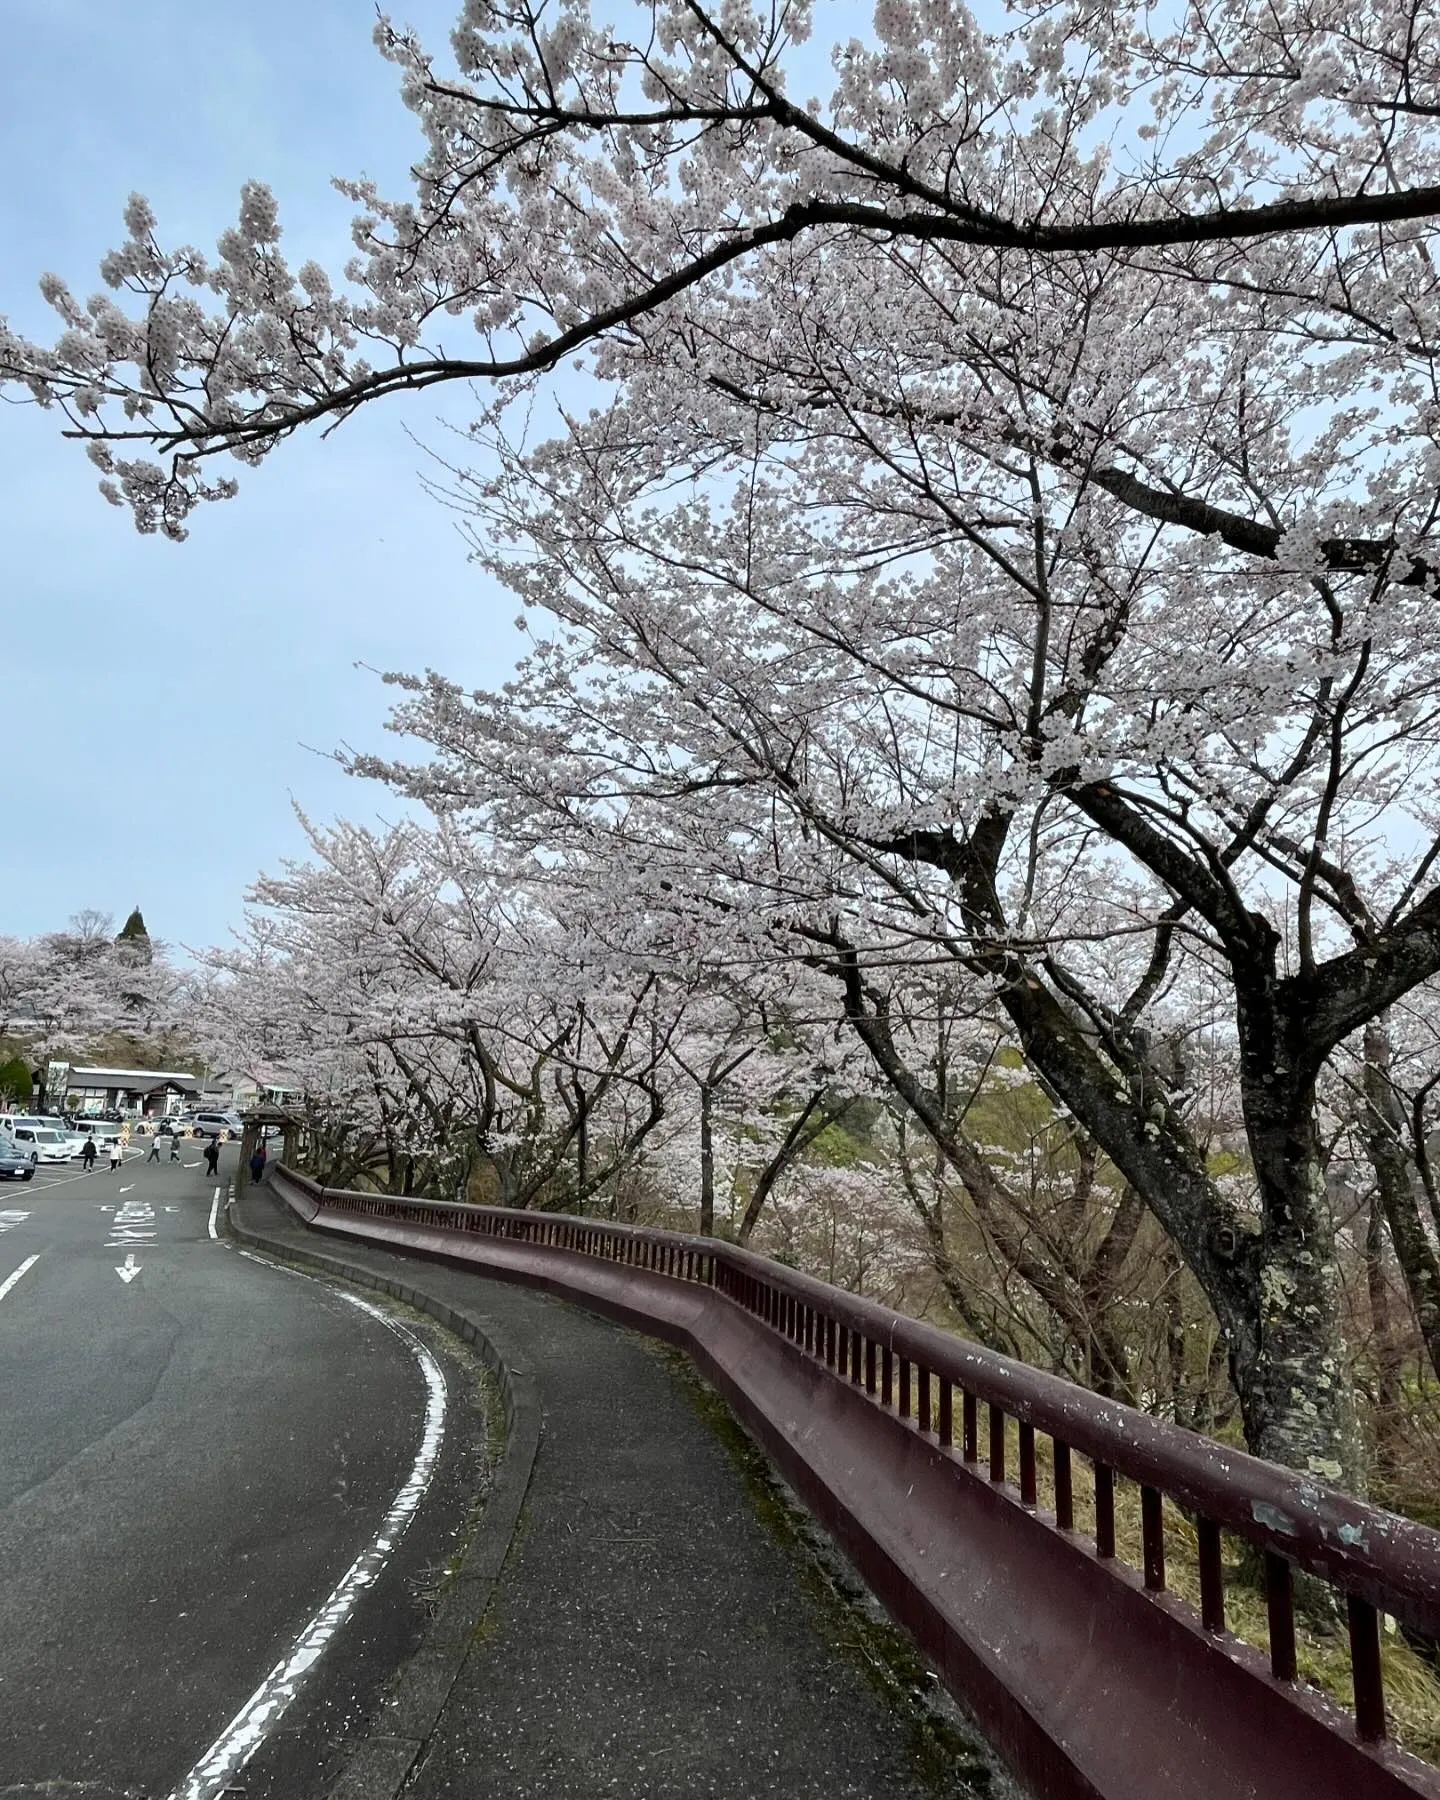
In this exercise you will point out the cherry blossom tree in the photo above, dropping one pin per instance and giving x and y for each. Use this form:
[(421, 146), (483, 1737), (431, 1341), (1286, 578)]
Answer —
[(445, 1031), (65, 993), (1003, 540)]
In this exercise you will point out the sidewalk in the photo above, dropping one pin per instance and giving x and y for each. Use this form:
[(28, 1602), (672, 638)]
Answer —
[(643, 1619)]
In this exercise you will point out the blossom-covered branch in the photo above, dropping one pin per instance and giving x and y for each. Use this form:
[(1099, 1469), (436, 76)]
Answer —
[(584, 189)]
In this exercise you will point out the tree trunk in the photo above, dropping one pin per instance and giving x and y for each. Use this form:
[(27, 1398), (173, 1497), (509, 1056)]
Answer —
[(1128, 1115), (957, 1289), (815, 1117), (1385, 1349), (1275, 1291), (707, 1161), (1174, 1313), (1295, 1396), (1107, 1360), (1396, 1182)]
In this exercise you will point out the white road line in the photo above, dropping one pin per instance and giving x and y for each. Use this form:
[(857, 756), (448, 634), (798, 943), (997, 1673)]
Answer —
[(214, 1208), (245, 1733), (10, 1280), (58, 1180), (133, 1223)]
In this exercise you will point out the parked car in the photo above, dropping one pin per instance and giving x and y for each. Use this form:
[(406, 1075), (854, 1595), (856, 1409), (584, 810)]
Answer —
[(105, 1132), (49, 1146), (73, 1140), (13, 1122), (17, 1161), (8, 1121), (212, 1124), (66, 1128)]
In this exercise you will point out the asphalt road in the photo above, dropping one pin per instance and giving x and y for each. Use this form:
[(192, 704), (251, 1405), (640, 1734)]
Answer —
[(195, 1449)]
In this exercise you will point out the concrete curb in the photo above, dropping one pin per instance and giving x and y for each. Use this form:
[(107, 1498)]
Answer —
[(380, 1766)]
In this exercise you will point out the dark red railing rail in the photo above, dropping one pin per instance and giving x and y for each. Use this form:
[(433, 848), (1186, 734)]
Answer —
[(960, 1397), (920, 1451)]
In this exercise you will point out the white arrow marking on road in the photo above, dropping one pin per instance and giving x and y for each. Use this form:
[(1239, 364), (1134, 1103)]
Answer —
[(10, 1280), (130, 1271), (126, 1190)]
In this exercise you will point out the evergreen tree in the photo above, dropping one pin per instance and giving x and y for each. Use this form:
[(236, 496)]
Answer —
[(133, 928), (15, 1082), (133, 942)]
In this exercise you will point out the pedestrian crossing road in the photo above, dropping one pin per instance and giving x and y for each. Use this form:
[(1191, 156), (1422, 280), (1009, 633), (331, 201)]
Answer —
[(54, 1175)]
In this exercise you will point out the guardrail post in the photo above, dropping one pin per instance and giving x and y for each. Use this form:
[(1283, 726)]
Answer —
[(1365, 1669), (1064, 1486), (1212, 1575), (997, 1443), (1280, 1606), (1104, 1511)]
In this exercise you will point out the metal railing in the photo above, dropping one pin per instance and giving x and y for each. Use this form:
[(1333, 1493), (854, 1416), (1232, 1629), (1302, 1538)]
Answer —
[(965, 1399)]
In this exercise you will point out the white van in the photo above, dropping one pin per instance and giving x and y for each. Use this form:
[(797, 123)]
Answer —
[(104, 1132), (59, 1129), (48, 1145), (8, 1121)]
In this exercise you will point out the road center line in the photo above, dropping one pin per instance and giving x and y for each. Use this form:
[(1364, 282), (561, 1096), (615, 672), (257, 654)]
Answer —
[(245, 1733), (10, 1280)]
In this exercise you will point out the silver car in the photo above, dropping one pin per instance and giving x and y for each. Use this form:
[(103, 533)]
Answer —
[(212, 1124)]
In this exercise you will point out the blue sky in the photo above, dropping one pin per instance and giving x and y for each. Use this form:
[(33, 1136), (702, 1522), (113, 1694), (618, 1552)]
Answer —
[(160, 698)]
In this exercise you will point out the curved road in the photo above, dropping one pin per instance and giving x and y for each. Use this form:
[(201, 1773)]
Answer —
[(179, 1489)]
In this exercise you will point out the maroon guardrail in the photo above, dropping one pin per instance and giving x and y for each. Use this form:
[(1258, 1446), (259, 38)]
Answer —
[(853, 1398)]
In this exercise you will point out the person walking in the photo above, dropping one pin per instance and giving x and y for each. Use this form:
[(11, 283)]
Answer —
[(257, 1164), (174, 1146), (154, 1155), (87, 1155), (116, 1152), (212, 1156)]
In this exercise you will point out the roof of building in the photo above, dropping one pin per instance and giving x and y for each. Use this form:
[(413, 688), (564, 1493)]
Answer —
[(131, 1078)]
